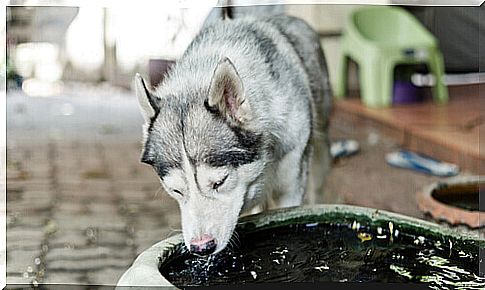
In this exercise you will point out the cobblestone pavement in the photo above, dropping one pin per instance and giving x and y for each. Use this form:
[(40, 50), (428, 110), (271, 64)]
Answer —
[(79, 212), (80, 206)]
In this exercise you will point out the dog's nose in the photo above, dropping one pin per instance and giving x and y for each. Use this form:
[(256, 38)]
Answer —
[(205, 245)]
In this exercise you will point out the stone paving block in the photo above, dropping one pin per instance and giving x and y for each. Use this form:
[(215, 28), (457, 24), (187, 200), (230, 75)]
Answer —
[(142, 194), (128, 168), (63, 277), (68, 178), (113, 238), (18, 278), (69, 238), (75, 196), (35, 161), (38, 173), (19, 261), (38, 205), (22, 237), (86, 253), (81, 191), (104, 208), (66, 221), (25, 219), (38, 193), (145, 183), (132, 196), (93, 264), (28, 189), (72, 208), (150, 223), (131, 208)]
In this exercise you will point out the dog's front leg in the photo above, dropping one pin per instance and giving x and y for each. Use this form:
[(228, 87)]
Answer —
[(292, 177)]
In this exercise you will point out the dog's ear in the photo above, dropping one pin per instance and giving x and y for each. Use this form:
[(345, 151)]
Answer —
[(149, 102), (226, 93)]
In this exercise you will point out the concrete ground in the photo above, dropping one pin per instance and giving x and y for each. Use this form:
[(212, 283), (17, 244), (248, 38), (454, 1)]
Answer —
[(80, 206)]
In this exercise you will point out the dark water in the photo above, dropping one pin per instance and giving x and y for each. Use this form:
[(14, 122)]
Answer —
[(323, 253), (465, 200)]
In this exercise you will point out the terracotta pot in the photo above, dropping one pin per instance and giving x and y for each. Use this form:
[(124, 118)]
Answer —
[(453, 215)]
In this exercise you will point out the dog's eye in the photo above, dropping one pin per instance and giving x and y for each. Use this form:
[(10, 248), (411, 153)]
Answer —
[(177, 191), (147, 161), (218, 184)]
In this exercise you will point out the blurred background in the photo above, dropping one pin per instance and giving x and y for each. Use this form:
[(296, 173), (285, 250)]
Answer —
[(80, 206)]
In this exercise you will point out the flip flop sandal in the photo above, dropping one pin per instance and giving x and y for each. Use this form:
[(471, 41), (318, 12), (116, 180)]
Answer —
[(421, 163), (344, 148)]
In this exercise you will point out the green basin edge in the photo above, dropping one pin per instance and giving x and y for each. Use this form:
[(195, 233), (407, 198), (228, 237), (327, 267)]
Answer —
[(144, 271)]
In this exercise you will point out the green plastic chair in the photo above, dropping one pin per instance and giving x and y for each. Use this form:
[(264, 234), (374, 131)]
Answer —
[(378, 38)]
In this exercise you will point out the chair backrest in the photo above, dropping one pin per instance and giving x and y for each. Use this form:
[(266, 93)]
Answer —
[(391, 25)]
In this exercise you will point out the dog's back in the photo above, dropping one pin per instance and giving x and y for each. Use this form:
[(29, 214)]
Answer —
[(283, 69), (279, 60)]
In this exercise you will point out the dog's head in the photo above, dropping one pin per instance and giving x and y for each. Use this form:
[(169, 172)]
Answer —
[(205, 155)]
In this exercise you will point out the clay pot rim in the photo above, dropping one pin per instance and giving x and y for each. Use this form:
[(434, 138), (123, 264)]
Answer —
[(448, 213)]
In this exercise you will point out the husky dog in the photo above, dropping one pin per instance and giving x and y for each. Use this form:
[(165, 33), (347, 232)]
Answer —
[(240, 117)]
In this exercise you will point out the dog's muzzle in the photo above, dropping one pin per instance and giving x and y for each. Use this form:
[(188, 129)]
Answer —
[(205, 245)]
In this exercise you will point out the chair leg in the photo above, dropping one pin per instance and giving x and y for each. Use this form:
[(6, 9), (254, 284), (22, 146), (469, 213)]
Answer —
[(437, 68), (370, 86), (387, 83), (342, 74)]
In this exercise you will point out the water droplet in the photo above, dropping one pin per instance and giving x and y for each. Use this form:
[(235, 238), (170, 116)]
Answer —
[(29, 269), (354, 225), (37, 261), (322, 268), (369, 252), (25, 275), (35, 283), (419, 240)]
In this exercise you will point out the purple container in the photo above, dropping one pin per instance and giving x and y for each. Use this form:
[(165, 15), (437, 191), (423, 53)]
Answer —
[(157, 68), (405, 92)]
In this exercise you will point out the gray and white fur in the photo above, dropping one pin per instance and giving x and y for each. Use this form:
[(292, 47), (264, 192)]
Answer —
[(240, 119)]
